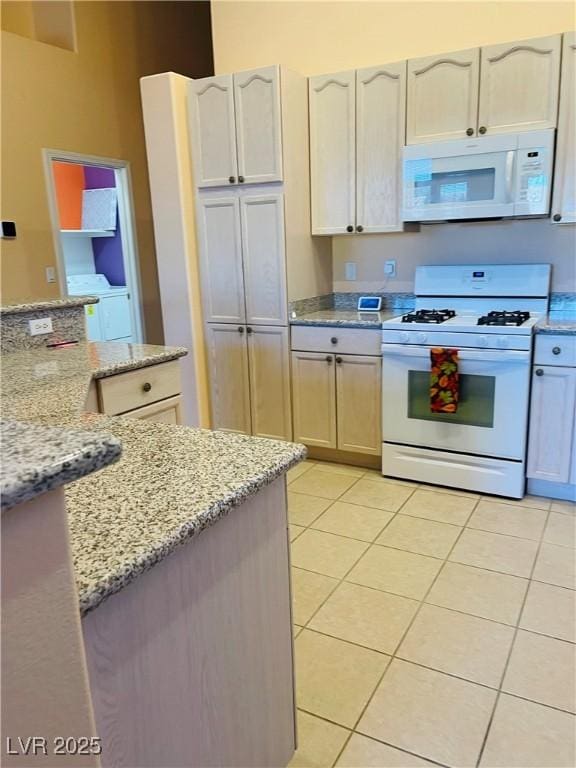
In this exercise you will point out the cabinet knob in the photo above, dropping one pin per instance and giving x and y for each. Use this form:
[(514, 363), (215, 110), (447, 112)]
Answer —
[(482, 129), (240, 329), (556, 350), (557, 217), (334, 340), (469, 131), (147, 386), (349, 228), (359, 228), (338, 360), (248, 330), (241, 179), (539, 372), (232, 179), (328, 359)]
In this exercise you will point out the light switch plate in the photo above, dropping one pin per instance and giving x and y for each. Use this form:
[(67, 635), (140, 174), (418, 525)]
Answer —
[(50, 275), (390, 268), (40, 326), (350, 270)]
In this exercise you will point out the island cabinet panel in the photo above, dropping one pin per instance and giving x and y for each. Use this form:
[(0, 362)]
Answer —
[(519, 85), (192, 664), (442, 101), (564, 197), (228, 365)]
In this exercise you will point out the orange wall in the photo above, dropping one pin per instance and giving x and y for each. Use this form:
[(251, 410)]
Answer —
[(69, 182)]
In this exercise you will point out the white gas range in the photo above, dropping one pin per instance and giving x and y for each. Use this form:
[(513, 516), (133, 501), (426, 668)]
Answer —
[(487, 313)]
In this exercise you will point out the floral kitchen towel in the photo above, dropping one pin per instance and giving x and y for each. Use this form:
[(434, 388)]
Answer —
[(444, 385)]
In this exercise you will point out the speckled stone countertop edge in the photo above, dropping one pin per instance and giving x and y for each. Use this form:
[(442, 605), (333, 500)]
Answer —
[(47, 304), (111, 369), (560, 322), (43, 466), (117, 580)]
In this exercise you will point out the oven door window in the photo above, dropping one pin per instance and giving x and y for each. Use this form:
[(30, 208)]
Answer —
[(475, 406)]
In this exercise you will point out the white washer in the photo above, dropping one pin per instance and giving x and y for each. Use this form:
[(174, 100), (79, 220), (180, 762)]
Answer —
[(110, 319)]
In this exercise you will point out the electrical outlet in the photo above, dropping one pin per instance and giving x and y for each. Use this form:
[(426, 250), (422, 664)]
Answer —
[(50, 275), (40, 326), (390, 268), (350, 270)]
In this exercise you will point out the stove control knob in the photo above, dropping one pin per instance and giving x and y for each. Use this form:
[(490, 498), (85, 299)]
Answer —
[(502, 342), (421, 337), (405, 337), (483, 341)]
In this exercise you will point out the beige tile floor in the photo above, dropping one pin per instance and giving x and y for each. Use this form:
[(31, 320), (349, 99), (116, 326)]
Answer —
[(432, 626)]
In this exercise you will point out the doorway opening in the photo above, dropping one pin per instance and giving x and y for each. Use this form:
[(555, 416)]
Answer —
[(91, 208)]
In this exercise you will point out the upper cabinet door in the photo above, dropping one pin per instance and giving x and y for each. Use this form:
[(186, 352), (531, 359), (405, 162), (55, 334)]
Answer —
[(443, 97), (519, 86), (212, 131), (258, 125), (263, 251), (221, 259), (564, 200), (380, 132), (332, 152)]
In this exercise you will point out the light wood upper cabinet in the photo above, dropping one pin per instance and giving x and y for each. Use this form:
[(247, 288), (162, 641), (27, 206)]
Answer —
[(442, 98), (380, 130), (519, 85), (564, 193), (332, 152), (314, 399), (258, 125), (228, 365), (269, 364), (213, 130), (220, 241), (551, 438), (263, 247), (358, 398)]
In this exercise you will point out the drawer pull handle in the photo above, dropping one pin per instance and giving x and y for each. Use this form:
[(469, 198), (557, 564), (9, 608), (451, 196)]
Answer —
[(334, 340), (147, 386), (539, 372), (556, 350)]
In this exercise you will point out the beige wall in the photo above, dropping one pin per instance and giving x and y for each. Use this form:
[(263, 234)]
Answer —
[(88, 102), (324, 36)]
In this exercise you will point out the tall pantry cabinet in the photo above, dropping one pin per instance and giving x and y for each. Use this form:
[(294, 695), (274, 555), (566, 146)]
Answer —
[(250, 167)]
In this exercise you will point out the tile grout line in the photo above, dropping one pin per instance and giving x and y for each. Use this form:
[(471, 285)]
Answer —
[(512, 645), (410, 624)]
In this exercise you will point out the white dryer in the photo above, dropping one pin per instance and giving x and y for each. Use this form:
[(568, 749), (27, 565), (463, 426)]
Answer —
[(110, 319)]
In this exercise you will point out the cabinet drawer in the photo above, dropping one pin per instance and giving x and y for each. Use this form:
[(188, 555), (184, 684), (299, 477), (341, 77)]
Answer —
[(555, 350), (134, 389), (347, 341)]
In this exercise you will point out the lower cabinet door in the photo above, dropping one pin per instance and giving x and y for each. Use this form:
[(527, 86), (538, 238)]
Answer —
[(358, 399), (551, 437), (314, 399), (167, 411), (228, 371), (269, 366)]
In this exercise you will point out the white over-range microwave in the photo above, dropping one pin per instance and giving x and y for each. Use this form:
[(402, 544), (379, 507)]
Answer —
[(484, 178)]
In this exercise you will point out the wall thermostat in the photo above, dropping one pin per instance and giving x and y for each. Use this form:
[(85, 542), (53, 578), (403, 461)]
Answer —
[(369, 303), (8, 229)]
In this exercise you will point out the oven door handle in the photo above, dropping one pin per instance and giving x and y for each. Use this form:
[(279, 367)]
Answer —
[(480, 355)]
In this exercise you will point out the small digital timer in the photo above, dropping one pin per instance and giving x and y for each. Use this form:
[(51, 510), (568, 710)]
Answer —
[(369, 303)]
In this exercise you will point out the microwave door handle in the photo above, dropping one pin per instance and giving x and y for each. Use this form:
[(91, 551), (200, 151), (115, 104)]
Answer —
[(509, 174)]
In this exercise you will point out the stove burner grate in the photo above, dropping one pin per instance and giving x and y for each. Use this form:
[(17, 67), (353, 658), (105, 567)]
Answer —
[(429, 316), (504, 318)]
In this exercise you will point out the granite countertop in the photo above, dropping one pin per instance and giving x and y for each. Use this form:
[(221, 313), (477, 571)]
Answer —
[(37, 459), (34, 305), (170, 482), (560, 322), (343, 318)]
